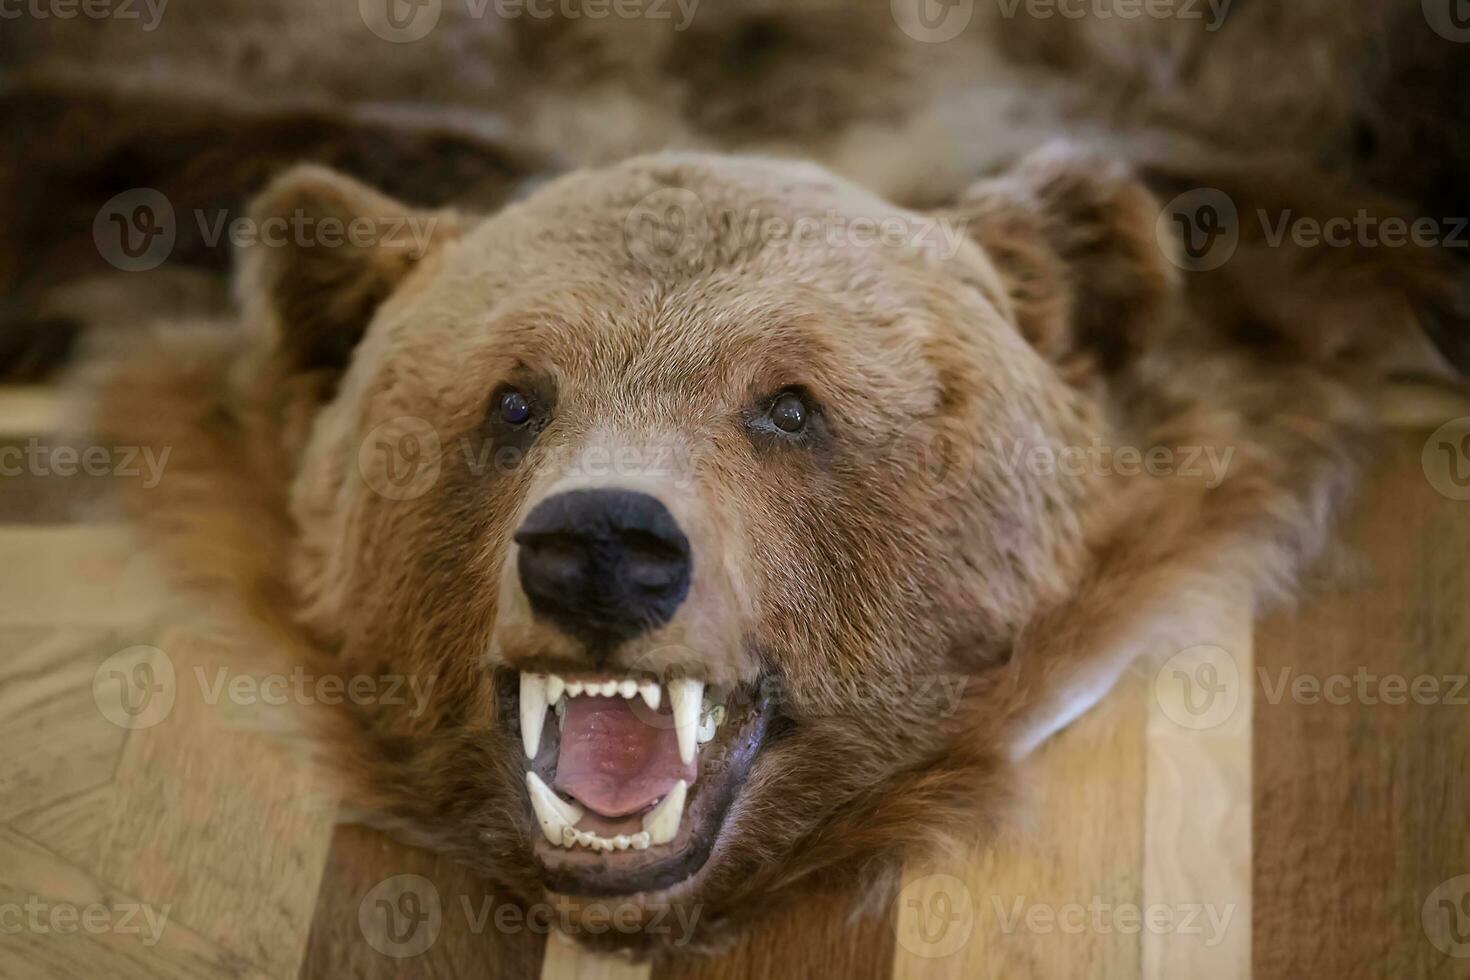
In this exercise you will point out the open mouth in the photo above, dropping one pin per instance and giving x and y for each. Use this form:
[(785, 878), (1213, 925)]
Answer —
[(629, 778)]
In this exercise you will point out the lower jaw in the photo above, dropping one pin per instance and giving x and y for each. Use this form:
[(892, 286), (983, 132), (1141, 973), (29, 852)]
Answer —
[(587, 873)]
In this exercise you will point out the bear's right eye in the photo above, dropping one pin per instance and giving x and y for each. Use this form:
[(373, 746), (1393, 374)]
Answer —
[(788, 413), (789, 419), (515, 408)]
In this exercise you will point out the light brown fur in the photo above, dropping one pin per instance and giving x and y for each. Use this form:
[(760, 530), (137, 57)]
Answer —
[(903, 547)]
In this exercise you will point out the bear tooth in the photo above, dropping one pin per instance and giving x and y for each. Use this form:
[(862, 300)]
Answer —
[(555, 815), (574, 689), (687, 697), (628, 689), (651, 693), (572, 837), (707, 726), (555, 687), (609, 688), (533, 711), (663, 823)]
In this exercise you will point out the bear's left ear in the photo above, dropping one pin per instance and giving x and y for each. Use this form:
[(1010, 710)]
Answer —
[(1073, 238), (325, 252)]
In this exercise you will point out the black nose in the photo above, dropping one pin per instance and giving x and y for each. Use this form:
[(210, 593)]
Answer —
[(603, 565)]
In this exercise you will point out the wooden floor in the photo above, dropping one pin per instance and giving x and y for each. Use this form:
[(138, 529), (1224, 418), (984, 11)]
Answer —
[(1208, 820)]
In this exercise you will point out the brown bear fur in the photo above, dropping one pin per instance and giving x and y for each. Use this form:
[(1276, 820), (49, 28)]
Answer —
[(902, 545), (1352, 84), (1364, 88)]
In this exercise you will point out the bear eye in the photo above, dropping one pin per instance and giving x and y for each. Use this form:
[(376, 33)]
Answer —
[(515, 408), (788, 412)]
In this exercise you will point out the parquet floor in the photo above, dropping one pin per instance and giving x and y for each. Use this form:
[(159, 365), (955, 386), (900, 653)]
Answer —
[(1208, 820)]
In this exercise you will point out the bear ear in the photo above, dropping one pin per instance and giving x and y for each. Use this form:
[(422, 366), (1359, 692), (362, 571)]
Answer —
[(1073, 237), (325, 252)]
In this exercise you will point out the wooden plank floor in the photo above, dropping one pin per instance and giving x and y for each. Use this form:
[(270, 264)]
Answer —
[(147, 832), (1362, 804)]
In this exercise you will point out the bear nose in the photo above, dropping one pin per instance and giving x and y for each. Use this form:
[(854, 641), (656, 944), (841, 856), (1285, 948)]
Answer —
[(603, 565)]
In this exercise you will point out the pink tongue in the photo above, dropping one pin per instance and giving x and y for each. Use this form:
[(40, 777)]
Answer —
[(617, 756)]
